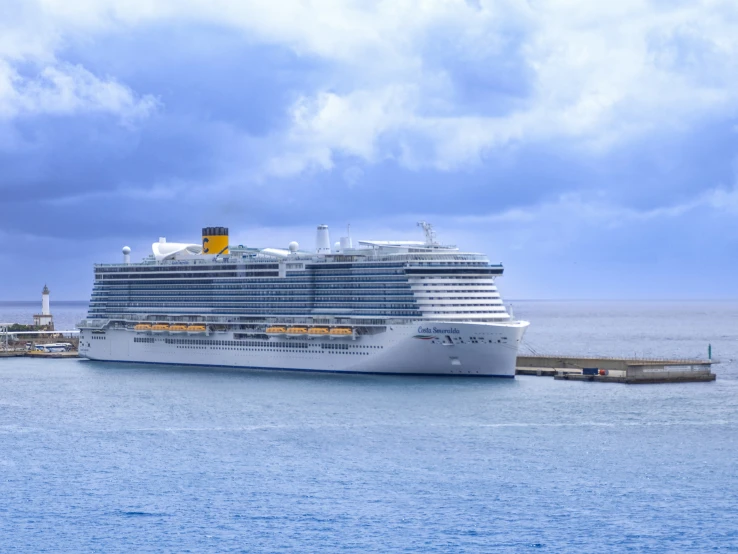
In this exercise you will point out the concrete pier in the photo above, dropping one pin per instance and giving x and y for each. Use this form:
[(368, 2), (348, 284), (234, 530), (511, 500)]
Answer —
[(617, 370), (37, 354), (12, 353)]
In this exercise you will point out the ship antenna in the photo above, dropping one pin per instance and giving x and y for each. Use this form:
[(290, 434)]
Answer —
[(430, 233)]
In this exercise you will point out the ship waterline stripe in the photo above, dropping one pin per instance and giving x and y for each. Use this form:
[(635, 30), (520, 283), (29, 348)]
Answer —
[(333, 371)]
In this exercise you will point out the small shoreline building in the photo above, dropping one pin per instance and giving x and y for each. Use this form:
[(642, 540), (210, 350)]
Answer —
[(44, 319)]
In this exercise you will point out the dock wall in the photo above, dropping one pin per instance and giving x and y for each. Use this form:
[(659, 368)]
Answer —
[(617, 370)]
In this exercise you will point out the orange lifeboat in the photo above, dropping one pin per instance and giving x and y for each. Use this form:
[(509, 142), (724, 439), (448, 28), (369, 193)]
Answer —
[(314, 332)]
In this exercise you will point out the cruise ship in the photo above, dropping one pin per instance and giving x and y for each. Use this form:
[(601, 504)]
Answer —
[(381, 307)]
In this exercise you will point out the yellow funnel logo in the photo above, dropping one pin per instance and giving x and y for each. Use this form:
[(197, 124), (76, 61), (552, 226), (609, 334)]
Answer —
[(215, 240)]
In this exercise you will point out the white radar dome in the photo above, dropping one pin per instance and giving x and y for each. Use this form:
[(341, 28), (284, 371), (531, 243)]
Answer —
[(294, 246), (126, 250)]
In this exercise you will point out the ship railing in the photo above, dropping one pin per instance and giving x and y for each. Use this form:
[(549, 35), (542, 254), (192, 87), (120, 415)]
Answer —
[(260, 321), (93, 323)]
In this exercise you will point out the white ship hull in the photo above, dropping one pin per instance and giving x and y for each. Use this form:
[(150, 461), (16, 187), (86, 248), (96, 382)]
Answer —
[(424, 348)]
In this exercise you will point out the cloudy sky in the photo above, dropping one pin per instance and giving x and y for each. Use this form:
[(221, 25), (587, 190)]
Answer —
[(589, 146)]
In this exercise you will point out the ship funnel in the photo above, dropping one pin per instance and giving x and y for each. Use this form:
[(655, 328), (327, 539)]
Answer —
[(215, 240), (323, 240)]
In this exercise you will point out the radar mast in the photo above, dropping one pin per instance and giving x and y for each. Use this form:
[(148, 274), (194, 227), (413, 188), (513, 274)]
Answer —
[(430, 233)]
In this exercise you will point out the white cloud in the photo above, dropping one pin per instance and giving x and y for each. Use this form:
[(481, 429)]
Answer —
[(596, 73), (352, 124), (30, 36), (722, 199), (600, 74), (68, 89)]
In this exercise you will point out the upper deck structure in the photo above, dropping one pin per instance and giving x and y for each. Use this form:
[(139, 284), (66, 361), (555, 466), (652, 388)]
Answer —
[(398, 280)]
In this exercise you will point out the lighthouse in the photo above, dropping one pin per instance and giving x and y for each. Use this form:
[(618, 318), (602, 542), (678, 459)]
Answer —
[(44, 319)]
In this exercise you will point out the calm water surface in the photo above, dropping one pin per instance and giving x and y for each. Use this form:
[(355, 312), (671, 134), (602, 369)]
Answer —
[(130, 458)]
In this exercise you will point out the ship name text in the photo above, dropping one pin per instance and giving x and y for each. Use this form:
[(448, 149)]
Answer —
[(436, 330)]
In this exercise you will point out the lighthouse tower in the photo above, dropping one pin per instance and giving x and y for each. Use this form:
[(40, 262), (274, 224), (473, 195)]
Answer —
[(44, 319)]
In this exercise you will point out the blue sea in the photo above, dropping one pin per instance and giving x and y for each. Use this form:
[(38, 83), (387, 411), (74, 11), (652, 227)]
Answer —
[(131, 458)]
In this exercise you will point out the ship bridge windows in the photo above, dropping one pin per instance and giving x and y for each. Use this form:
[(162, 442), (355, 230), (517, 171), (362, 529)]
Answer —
[(198, 275), (168, 268)]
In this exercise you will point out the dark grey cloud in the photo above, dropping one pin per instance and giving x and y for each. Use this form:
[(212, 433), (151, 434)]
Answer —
[(79, 186)]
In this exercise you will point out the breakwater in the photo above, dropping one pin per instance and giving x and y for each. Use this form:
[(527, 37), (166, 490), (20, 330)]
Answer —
[(617, 370)]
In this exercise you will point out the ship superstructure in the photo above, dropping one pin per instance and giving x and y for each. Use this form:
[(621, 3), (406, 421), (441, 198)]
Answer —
[(409, 307)]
